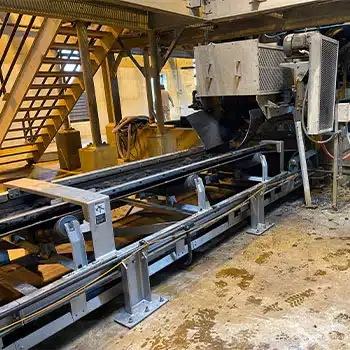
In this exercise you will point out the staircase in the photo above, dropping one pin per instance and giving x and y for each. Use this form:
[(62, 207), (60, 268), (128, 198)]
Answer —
[(47, 88)]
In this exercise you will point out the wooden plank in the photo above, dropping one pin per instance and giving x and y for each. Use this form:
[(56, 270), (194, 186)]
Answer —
[(25, 77), (18, 272), (52, 190), (11, 276), (22, 287)]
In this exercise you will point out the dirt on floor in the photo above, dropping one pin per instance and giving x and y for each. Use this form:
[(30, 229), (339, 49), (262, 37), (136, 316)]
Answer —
[(287, 289)]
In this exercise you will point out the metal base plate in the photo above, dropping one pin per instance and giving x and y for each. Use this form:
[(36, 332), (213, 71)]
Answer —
[(142, 311), (260, 229)]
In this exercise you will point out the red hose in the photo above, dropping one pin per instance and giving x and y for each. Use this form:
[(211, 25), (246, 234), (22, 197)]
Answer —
[(325, 150), (330, 155)]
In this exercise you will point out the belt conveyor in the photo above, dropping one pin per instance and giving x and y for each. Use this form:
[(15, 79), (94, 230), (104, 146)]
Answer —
[(18, 210), (96, 279)]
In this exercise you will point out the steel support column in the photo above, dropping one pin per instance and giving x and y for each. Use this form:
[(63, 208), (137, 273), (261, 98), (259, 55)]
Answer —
[(303, 163), (111, 86), (89, 83), (335, 163), (156, 82), (148, 73)]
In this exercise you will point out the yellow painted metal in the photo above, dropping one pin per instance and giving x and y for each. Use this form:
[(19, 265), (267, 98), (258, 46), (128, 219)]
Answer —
[(68, 143), (111, 139), (175, 139), (93, 158)]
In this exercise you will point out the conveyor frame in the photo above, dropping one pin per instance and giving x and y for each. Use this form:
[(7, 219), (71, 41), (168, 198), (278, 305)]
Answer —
[(163, 248)]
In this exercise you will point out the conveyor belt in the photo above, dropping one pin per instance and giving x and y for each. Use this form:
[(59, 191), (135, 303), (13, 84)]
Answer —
[(117, 182), (76, 279)]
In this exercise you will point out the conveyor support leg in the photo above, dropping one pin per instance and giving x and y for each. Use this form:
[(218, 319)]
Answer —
[(257, 215), (138, 297)]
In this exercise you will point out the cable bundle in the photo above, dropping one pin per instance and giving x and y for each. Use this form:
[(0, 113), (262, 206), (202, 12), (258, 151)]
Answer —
[(126, 136)]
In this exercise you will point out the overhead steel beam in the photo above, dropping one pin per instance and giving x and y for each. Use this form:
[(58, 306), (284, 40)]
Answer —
[(118, 61), (223, 10), (132, 58), (172, 46), (178, 7), (322, 13)]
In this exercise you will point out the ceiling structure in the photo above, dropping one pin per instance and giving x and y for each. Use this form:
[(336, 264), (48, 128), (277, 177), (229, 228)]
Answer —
[(215, 21)]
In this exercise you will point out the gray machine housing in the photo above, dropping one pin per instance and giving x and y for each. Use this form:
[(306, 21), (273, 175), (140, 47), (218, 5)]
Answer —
[(240, 68), (321, 52)]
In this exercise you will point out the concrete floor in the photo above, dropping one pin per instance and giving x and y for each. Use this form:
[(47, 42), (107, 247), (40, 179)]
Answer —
[(287, 289)]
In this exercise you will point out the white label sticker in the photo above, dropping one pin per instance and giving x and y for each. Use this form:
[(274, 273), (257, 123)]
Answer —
[(100, 208), (100, 213)]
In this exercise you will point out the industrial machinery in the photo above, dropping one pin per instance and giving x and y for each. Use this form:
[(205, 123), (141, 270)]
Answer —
[(95, 228), (255, 82), (226, 189), (193, 196), (314, 58), (314, 61), (240, 84), (251, 69)]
